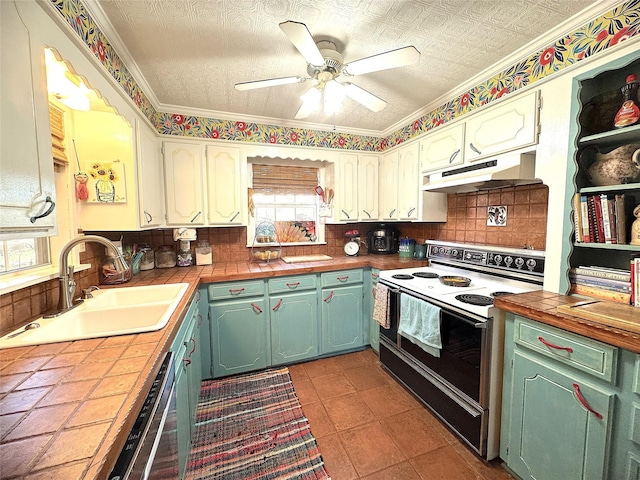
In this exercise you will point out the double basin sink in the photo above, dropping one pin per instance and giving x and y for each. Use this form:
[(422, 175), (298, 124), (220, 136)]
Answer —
[(113, 311)]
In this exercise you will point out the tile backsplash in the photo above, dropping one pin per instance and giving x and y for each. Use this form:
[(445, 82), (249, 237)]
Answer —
[(466, 222)]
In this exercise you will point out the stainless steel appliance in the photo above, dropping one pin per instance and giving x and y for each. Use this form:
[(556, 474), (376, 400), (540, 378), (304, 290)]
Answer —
[(463, 385), (151, 451), (383, 239)]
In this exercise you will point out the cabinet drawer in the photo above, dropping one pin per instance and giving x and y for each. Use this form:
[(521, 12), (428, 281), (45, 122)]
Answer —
[(587, 355), (341, 277), (292, 284), (218, 291)]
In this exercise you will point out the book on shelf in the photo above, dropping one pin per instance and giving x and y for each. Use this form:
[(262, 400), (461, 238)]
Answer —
[(621, 218), (635, 281), (605, 283), (585, 218), (606, 221), (618, 297), (577, 218), (600, 218), (602, 272)]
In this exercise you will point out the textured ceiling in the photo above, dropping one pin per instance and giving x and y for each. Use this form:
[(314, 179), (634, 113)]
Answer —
[(190, 53)]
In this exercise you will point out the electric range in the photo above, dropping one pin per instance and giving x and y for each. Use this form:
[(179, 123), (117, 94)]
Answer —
[(462, 383)]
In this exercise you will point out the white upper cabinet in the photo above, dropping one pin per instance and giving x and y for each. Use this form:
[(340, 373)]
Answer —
[(408, 181), (442, 148), (183, 170), (509, 125), (224, 186), (388, 192), (356, 188), (27, 190), (368, 187), (346, 188), (149, 177)]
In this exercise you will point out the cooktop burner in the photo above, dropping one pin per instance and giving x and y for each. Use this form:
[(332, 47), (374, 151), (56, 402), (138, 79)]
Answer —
[(480, 300), (402, 276), (425, 275), (499, 294)]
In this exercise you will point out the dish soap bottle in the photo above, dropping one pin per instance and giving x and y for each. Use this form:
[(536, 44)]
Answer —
[(629, 113)]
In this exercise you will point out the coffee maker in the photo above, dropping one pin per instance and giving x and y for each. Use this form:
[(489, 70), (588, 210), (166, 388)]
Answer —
[(382, 239)]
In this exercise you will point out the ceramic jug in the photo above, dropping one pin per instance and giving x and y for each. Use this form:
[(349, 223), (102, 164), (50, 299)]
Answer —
[(619, 166)]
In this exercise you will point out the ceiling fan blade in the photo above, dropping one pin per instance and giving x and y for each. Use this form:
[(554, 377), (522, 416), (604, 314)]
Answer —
[(301, 38), (360, 95), (383, 61), (271, 82)]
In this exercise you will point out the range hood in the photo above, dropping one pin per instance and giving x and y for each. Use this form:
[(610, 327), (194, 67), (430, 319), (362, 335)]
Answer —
[(510, 169)]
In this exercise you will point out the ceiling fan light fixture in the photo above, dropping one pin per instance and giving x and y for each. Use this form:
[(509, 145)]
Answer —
[(333, 96), (312, 99)]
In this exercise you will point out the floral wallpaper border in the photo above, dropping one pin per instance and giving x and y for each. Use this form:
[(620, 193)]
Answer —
[(615, 26)]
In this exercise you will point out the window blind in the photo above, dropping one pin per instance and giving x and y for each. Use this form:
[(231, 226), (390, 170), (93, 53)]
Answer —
[(281, 179), (56, 120)]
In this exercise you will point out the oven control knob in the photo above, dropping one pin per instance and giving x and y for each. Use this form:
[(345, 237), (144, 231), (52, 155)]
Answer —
[(498, 259), (519, 262), (531, 264), (454, 252), (508, 261)]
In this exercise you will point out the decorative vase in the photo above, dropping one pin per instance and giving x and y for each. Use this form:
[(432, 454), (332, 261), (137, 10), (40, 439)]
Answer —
[(619, 166)]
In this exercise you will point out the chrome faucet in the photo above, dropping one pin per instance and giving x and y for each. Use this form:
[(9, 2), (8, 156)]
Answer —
[(67, 284)]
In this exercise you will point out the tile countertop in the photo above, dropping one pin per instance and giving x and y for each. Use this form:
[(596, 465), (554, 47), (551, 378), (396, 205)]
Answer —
[(541, 306), (66, 408)]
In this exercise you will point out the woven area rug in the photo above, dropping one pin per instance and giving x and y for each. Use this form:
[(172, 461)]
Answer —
[(252, 427)]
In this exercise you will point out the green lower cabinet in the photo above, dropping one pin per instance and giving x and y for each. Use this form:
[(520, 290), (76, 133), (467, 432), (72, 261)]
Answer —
[(374, 327), (553, 435), (294, 327), (239, 336), (204, 334), (342, 318)]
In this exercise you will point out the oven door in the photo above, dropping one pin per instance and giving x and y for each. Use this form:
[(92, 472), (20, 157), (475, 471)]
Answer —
[(462, 362)]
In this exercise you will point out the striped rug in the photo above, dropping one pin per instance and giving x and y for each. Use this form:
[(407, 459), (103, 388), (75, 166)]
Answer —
[(251, 427)]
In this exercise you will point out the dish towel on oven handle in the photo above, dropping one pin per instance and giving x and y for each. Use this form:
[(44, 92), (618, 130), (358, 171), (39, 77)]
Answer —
[(381, 306), (420, 323)]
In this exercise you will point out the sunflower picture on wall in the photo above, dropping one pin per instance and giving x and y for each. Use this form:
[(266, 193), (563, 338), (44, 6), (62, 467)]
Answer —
[(106, 182)]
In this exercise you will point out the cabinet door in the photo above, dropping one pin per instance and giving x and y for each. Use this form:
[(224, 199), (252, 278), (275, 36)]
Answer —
[(27, 190), (342, 317), (374, 327), (149, 177), (552, 434), (368, 187), (239, 336), (503, 127), (204, 333), (183, 420), (408, 182), (194, 367), (224, 186), (389, 187), (442, 149), (294, 327), (346, 191), (183, 183)]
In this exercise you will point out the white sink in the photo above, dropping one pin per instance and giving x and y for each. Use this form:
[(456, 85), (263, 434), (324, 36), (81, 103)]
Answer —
[(115, 311)]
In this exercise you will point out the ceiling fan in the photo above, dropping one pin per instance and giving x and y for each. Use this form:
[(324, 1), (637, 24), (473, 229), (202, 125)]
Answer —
[(330, 75)]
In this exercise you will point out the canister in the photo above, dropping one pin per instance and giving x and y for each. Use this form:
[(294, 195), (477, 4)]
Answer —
[(407, 247)]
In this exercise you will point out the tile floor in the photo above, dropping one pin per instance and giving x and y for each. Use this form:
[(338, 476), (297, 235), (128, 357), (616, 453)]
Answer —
[(368, 427)]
